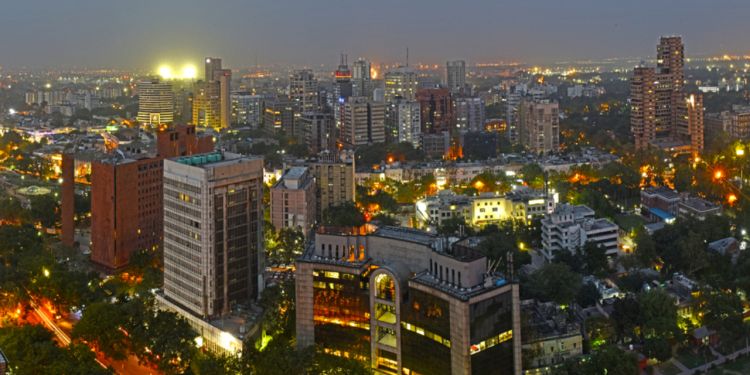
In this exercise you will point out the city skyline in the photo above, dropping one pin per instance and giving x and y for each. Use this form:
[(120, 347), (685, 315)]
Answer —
[(88, 34)]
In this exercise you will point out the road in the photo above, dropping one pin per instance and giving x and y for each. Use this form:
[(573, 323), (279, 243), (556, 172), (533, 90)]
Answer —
[(130, 366)]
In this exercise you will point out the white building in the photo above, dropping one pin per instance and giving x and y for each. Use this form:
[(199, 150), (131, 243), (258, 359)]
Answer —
[(407, 119), (571, 227), (247, 109)]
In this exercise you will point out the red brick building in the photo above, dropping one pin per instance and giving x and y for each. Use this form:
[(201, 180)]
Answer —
[(127, 198), (436, 110)]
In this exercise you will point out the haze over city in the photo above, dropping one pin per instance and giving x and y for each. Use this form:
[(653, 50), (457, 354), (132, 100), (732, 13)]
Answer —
[(133, 34)]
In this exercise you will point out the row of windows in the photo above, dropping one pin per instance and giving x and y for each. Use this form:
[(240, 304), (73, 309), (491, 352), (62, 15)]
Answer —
[(182, 208), (181, 186)]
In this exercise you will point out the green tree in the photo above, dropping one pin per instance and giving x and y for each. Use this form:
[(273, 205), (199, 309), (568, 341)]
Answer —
[(554, 282), (658, 314), (343, 215), (102, 325)]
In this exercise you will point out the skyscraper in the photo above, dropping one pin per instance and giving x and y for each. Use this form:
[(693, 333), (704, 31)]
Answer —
[(334, 177), (361, 78), (455, 76), (469, 113), (643, 106), (676, 120), (401, 82), (212, 104), (213, 241), (406, 119), (155, 102), (247, 109), (363, 123), (319, 131), (539, 125)]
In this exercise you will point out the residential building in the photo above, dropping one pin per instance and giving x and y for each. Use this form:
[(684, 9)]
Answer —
[(455, 76), (319, 130), (405, 121), (293, 201), (737, 122), (436, 145), (433, 210), (247, 109), (303, 91), (539, 125), (363, 122), (182, 140), (570, 228), (663, 204), (550, 337), (334, 177), (406, 301), (436, 107), (155, 102), (469, 113), (643, 106), (401, 82), (279, 115)]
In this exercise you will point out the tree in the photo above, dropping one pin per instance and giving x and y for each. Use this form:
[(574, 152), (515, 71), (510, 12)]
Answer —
[(596, 259), (588, 295), (645, 248), (170, 340), (533, 175), (343, 215), (658, 348), (44, 209), (612, 360), (101, 325), (722, 312), (454, 226), (554, 282), (658, 314), (626, 316), (289, 245)]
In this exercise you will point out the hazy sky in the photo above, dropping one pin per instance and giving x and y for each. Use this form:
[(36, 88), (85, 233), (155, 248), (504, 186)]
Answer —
[(142, 33)]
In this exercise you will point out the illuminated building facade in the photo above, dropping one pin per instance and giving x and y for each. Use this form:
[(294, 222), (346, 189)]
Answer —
[(539, 125), (469, 114), (436, 109), (643, 106), (303, 91), (401, 82), (213, 242), (407, 302), (334, 177), (570, 228), (247, 109), (212, 104), (407, 121), (279, 114), (155, 102)]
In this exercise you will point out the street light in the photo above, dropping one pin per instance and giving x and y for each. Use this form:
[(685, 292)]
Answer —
[(740, 152)]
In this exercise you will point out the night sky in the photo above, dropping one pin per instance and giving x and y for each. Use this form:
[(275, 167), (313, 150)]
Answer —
[(144, 33)]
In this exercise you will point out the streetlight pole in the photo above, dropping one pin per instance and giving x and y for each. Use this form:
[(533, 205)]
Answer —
[(740, 152)]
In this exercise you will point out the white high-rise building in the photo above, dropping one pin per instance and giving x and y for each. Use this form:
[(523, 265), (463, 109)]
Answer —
[(401, 82), (408, 122), (303, 90), (213, 240), (247, 109), (155, 102)]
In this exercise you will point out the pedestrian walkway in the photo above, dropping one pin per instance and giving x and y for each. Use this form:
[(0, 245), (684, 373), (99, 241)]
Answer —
[(720, 359)]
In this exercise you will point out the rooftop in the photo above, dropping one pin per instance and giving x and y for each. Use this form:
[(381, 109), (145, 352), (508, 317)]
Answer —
[(699, 204), (407, 234), (663, 192), (201, 159)]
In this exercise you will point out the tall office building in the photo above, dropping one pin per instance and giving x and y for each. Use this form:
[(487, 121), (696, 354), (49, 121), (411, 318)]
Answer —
[(361, 80), (293, 201), (247, 109), (455, 76), (212, 104), (513, 99), (342, 85), (363, 122), (303, 91), (406, 121), (156, 102), (401, 82), (675, 122), (213, 241), (469, 113), (436, 107), (403, 301), (539, 125)]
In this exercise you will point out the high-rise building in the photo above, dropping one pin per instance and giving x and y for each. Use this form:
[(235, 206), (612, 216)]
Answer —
[(319, 131), (469, 114), (213, 241), (279, 114), (303, 91), (643, 106), (342, 85), (675, 122), (690, 124), (539, 125), (247, 109), (126, 209), (363, 122), (127, 201), (406, 118), (436, 107), (361, 78), (736, 122), (513, 99), (401, 82), (155, 102), (334, 177), (570, 228), (212, 105), (293, 201), (403, 301), (455, 76)]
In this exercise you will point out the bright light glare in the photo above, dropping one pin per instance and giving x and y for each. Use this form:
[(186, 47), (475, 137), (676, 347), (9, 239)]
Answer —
[(189, 72), (12, 111), (165, 72)]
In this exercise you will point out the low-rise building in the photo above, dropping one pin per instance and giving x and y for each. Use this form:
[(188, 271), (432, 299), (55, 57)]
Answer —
[(549, 337), (571, 227), (664, 204), (293, 201)]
